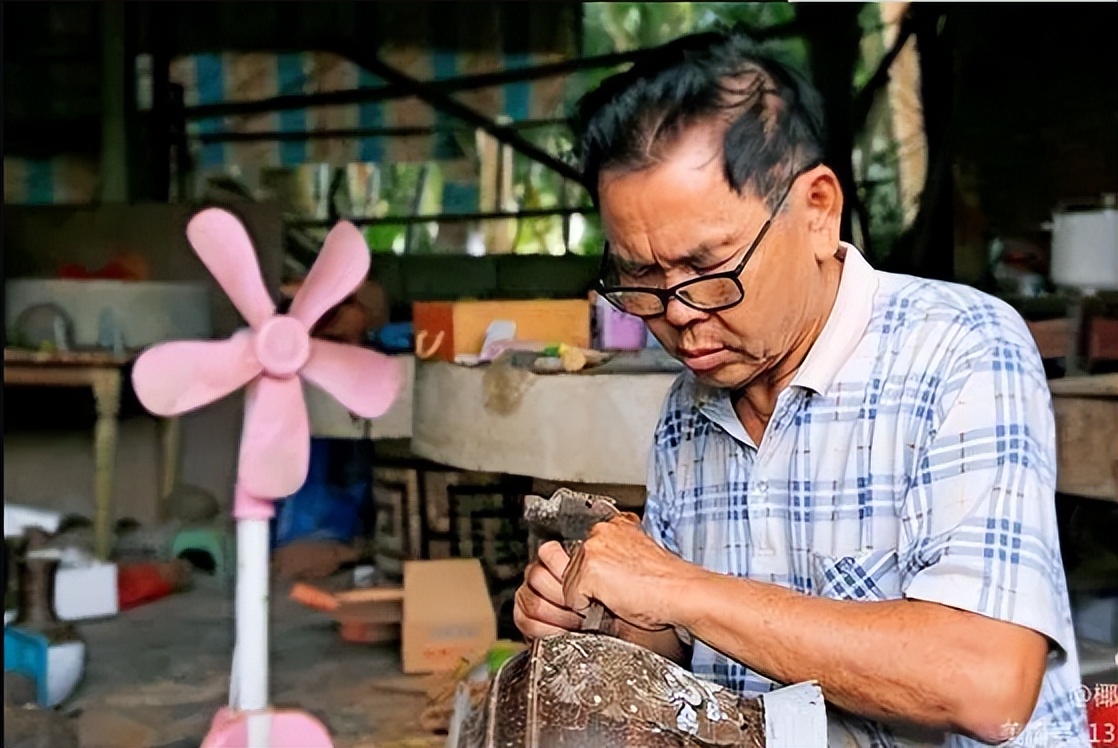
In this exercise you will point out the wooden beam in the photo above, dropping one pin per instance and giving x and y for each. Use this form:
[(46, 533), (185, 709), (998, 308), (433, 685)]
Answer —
[(397, 91), (932, 256), (834, 37), (117, 136), (447, 86), (443, 102)]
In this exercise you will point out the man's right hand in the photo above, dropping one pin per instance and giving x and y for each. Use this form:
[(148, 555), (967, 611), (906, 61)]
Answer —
[(540, 610)]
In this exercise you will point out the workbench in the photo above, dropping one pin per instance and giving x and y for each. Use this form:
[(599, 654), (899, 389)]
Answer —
[(102, 372), (1087, 435), (588, 431), (596, 430)]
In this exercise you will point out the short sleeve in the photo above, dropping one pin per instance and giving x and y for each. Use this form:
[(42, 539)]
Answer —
[(979, 520)]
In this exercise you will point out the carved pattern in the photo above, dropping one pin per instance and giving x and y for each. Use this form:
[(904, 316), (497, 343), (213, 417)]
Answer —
[(585, 689)]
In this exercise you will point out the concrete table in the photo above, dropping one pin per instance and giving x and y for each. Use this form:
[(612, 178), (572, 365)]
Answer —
[(329, 419), (1087, 435), (597, 429), (582, 430), (101, 371)]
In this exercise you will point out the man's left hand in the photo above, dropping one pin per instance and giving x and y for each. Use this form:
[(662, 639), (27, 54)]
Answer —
[(623, 569)]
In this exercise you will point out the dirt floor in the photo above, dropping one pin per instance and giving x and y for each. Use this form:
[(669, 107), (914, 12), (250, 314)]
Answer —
[(156, 675)]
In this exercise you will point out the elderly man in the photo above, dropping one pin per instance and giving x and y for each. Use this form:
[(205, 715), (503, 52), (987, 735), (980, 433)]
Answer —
[(854, 481)]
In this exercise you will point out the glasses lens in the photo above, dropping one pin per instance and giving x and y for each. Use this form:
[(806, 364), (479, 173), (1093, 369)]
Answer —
[(639, 303), (711, 293)]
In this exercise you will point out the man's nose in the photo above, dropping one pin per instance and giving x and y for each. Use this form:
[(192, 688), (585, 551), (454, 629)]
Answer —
[(679, 314)]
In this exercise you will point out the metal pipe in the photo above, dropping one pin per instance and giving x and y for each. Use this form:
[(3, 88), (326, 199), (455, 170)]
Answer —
[(442, 217), (353, 132)]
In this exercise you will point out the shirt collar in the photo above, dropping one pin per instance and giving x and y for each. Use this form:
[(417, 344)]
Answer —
[(845, 326)]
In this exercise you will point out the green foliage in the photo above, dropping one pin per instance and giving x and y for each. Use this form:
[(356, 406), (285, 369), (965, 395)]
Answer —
[(400, 184), (872, 48), (618, 27)]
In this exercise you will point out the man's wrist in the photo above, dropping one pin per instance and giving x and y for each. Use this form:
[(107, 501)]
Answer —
[(685, 597)]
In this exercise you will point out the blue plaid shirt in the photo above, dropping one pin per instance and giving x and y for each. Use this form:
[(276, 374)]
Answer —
[(912, 456)]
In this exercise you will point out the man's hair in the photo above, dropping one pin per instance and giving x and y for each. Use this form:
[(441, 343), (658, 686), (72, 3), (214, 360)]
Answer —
[(772, 116)]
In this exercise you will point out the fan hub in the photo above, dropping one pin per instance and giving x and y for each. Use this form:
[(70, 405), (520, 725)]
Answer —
[(282, 346)]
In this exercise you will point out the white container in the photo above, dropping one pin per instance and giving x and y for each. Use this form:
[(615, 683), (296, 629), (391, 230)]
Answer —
[(142, 312), (1085, 248), (65, 666), (83, 592), (18, 518)]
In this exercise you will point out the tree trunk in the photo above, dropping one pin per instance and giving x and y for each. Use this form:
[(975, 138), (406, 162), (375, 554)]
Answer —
[(930, 247)]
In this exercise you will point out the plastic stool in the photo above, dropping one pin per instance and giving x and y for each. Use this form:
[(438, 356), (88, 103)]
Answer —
[(211, 540)]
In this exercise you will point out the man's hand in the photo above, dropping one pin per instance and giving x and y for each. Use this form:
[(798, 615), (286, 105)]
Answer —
[(540, 610), (623, 569), (541, 607)]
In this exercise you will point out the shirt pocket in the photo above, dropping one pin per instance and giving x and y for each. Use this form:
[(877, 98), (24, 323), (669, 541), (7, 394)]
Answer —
[(869, 575)]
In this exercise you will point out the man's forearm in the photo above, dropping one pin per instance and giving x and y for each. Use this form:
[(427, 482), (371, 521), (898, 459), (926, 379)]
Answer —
[(907, 661)]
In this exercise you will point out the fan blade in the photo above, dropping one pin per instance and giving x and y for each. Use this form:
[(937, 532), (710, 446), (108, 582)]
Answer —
[(276, 440), (364, 381), (180, 376), (223, 244), (341, 267)]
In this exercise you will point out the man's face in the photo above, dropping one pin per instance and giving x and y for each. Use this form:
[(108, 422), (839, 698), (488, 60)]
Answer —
[(678, 220)]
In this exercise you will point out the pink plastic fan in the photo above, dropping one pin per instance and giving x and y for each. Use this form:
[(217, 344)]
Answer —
[(270, 357)]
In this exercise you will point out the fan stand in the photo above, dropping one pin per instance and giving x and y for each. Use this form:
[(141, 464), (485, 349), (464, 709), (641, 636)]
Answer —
[(249, 721), (272, 358)]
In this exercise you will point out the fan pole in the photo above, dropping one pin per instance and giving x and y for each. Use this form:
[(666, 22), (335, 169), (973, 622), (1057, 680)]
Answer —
[(250, 664)]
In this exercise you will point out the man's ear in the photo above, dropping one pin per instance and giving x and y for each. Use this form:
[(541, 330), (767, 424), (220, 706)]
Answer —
[(823, 200)]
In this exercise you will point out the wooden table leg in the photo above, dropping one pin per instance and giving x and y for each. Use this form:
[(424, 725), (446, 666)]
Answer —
[(170, 435), (106, 393)]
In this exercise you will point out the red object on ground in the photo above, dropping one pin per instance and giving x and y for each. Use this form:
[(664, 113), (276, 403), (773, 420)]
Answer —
[(141, 583)]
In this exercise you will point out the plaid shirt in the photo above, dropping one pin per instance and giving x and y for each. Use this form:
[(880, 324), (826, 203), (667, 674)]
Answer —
[(912, 456)]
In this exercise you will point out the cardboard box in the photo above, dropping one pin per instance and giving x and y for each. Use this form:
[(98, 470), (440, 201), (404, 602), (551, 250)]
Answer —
[(462, 324), (448, 614), (442, 615)]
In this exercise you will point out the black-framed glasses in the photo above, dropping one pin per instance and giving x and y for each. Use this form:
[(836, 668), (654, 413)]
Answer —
[(706, 293)]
